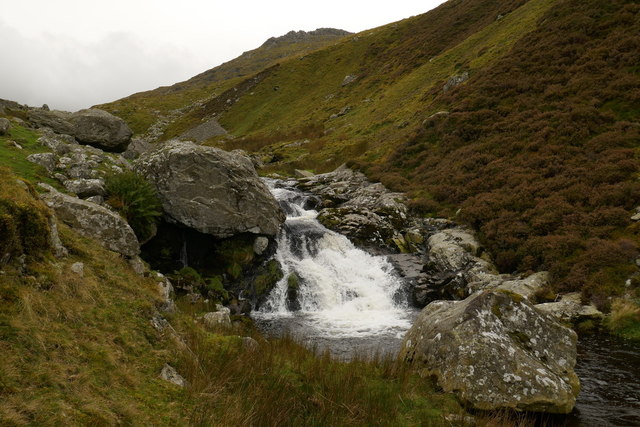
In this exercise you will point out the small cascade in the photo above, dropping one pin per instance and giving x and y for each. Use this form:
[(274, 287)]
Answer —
[(184, 258), (338, 292)]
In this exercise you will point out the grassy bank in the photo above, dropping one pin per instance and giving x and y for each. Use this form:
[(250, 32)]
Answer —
[(79, 348)]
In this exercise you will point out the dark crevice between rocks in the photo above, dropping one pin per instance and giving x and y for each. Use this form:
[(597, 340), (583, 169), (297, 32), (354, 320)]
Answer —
[(228, 270)]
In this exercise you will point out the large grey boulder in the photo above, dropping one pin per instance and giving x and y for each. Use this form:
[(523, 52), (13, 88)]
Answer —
[(495, 350), (453, 262), (102, 129), (210, 190), (92, 126), (456, 266), (5, 125), (93, 221)]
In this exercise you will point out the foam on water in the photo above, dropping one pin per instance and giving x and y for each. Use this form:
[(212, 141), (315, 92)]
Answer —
[(343, 291)]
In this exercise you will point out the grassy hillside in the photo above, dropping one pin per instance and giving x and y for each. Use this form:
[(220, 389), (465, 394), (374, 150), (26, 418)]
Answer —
[(142, 109), (80, 348), (74, 348)]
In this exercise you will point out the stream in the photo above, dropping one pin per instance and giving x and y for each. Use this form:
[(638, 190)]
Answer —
[(348, 302)]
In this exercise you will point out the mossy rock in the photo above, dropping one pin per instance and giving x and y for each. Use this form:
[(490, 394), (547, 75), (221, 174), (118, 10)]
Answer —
[(24, 225), (215, 289), (293, 281), (268, 276)]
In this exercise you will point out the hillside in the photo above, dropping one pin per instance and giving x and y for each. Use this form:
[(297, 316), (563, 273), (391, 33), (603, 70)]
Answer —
[(520, 115), (142, 109)]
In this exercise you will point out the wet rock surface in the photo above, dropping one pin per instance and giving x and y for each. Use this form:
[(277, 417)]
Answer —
[(367, 213), (495, 350), (439, 259)]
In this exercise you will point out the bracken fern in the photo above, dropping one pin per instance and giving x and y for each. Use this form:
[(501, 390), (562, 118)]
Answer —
[(136, 200)]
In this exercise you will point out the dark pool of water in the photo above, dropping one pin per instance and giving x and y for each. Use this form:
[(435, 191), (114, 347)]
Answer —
[(609, 372), (299, 326)]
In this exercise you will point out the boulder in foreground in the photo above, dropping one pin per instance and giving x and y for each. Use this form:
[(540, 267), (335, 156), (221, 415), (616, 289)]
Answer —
[(495, 350)]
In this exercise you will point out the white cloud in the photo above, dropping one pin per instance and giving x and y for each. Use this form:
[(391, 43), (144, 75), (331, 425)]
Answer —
[(69, 74)]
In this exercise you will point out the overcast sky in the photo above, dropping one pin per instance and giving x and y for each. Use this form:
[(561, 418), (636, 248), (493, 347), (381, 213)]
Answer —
[(71, 54)]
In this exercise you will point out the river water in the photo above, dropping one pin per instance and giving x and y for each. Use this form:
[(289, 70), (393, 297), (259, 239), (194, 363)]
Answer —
[(349, 303)]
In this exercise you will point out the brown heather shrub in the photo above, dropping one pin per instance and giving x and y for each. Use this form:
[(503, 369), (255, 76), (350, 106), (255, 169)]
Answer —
[(539, 151)]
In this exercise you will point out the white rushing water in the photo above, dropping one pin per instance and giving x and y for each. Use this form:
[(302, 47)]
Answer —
[(344, 293)]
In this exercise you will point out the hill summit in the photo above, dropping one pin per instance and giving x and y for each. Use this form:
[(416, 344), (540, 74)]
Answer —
[(299, 36)]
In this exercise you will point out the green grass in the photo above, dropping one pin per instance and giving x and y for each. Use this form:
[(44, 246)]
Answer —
[(80, 350), (387, 103), (142, 109), (282, 383), (136, 200), (16, 159)]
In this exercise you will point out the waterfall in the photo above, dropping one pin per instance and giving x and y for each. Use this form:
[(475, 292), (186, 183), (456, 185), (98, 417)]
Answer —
[(184, 259), (342, 292)]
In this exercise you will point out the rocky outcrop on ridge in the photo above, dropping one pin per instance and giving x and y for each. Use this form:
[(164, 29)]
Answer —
[(495, 350), (299, 36), (210, 190)]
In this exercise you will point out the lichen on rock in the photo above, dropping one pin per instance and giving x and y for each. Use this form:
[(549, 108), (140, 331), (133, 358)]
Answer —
[(495, 350)]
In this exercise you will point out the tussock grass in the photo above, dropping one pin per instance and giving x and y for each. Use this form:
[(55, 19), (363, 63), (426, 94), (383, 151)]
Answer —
[(283, 383), (80, 349), (624, 319)]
